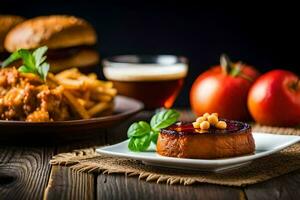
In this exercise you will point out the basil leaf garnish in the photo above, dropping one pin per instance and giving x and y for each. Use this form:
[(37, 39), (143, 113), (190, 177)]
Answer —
[(138, 129)]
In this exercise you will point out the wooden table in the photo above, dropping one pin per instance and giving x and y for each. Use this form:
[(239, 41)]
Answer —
[(25, 173)]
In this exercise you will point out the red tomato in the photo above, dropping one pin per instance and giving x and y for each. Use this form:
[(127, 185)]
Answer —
[(274, 99), (223, 89)]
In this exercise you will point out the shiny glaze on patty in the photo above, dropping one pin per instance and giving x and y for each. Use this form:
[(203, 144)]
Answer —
[(184, 128)]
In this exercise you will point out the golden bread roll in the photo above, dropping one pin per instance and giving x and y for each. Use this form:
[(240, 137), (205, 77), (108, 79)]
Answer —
[(82, 58), (54, 31), (7, 22)]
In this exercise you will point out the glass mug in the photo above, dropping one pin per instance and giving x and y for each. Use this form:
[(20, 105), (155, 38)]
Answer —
[(154, 80)]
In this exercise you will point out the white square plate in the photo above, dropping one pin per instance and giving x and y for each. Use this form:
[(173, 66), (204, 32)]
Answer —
[(266, 144)]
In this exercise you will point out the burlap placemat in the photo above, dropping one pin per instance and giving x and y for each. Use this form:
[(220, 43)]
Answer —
[(288, 160)]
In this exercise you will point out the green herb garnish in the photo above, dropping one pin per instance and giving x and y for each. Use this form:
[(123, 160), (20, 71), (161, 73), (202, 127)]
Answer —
[(33, 62), (141, 133)]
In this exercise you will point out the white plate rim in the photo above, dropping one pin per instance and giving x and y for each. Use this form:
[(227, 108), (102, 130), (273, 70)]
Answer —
[(213, 162)]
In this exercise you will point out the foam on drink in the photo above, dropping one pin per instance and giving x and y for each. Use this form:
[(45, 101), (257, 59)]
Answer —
[(144, 72)]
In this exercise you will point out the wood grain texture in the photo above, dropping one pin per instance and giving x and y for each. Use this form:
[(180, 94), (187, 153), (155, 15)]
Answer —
[(283, 187), (66, 184), (89, 139), (24, 171), (121, 187)]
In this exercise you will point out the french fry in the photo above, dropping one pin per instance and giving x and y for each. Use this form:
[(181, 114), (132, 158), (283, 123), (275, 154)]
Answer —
[(86, 95), (92, 76), (76, 106), (98, 108), (90, 83), (101, 97), (89, 104), (82, 102), (41, 87), (108, 91), (70, 73), (70, 83), (76, 93), (86, 103), (51, 77), (106, 84), (105, 98), (52, 81)]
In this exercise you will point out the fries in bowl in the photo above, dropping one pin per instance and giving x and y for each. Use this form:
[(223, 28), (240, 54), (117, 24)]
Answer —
[(86, 95)]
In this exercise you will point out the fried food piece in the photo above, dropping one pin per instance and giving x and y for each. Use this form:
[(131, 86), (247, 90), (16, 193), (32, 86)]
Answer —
[(38, 116), (26, 98), (65, 96)]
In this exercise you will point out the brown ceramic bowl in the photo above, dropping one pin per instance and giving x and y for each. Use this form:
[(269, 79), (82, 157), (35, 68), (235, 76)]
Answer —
[(125, 107)]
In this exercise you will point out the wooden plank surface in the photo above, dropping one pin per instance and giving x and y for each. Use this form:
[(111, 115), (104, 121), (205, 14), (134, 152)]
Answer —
[(24, 171), (283, 187), (66, 184), (26, 174), (120, 187)]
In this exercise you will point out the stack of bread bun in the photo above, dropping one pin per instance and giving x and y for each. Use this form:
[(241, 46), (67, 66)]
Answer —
[(7, 22), (70, 40)]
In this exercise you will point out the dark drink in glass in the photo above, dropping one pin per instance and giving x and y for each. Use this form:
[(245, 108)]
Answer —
[(155, 80)]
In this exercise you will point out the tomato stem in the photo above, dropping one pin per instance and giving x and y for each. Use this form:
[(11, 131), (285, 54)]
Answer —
[(226, 64), (296, 85), (233, 69)]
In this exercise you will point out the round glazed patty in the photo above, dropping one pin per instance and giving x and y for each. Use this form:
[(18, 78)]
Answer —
[(183, 141)]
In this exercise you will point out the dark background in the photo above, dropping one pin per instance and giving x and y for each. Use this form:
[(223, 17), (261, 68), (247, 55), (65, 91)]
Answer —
[(265, 36)]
